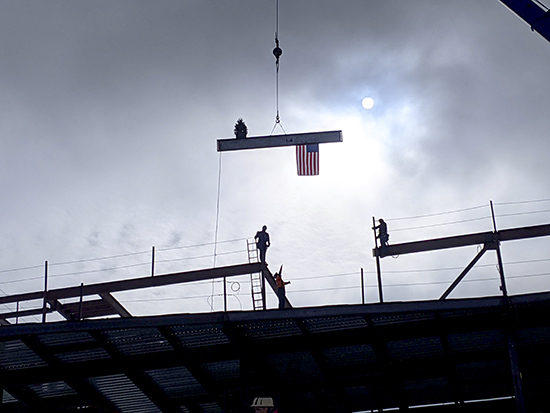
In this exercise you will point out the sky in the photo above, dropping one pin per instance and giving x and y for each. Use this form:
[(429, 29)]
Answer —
[(110, 112)]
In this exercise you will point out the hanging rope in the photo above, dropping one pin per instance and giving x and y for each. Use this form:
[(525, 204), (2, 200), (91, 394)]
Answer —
[(277, 52), (217, 208), (211, 303)]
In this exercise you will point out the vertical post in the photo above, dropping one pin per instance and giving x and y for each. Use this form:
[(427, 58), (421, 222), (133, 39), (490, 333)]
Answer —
[(499, 256), (153, 262), (516, 373), (225, 294), (379, 274), (80, 303), (362, 287), (512, 350), (45, 303), (17, 311)]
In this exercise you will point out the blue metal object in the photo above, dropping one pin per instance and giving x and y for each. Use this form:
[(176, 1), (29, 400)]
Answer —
[(533, 14)]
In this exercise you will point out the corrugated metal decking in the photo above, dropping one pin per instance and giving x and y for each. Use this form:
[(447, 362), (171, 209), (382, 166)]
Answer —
[(330, 359)]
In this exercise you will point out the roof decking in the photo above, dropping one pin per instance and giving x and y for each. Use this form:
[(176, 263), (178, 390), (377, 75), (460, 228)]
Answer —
[(331, 359)]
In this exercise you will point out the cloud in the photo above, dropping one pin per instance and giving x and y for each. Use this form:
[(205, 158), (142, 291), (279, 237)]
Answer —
[(110, 112)]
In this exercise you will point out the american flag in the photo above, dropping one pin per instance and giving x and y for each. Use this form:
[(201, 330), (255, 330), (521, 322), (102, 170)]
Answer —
[(307, 159)]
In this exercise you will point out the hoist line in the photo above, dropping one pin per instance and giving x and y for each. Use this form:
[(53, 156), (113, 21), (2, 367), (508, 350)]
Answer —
[(277, 117), (277, 20), (277, 52)]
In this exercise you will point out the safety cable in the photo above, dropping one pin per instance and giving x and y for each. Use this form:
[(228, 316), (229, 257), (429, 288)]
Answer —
[(522, 202), (436, 214)]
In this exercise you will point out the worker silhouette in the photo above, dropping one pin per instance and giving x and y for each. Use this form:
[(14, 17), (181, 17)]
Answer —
[(281, 293), (262, 243), (383, 235)]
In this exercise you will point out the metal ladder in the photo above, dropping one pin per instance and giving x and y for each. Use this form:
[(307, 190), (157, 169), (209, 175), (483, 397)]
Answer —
[(256, 284)]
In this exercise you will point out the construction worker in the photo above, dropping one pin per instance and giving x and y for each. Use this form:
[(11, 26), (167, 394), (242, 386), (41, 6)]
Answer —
[(281, 293), (383, 235), (262, 242), (263, 405)]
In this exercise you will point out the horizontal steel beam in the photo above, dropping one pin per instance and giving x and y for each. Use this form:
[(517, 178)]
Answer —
[(25, 313), (462, 240), (258, 142), (523, 232), (137, 283)]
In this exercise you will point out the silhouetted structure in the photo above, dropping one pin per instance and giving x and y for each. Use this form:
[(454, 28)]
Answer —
[(444, 356)]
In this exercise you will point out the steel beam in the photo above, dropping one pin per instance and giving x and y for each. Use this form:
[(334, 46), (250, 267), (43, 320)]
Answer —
[(466, 270), (462, 240), (115, 305), (258, 142), (138, 283)]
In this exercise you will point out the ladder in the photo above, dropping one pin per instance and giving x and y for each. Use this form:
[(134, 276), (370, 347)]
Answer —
[(256, 282)]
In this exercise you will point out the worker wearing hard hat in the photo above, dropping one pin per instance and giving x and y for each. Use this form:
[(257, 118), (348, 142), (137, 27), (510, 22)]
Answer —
[(263, 405), (383, 235), (262, 242), (281, 294)]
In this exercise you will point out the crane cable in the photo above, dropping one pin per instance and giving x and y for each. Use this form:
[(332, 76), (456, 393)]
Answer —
[(277, 52)]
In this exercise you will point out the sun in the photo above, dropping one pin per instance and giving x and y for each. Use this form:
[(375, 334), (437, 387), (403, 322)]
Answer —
[(367, 103)]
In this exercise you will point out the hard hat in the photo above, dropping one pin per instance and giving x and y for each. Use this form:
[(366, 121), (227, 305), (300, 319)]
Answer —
[(262, 402)]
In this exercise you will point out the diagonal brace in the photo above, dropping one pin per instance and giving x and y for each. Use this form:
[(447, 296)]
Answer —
[(486, 247)]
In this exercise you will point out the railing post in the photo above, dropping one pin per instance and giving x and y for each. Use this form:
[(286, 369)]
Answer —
[(499, 256), (45, 303), (153, 262), (225, 294), (362, 287), (80, 303)]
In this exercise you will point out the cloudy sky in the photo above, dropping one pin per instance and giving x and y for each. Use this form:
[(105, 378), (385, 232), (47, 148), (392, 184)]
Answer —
[(110, 112)]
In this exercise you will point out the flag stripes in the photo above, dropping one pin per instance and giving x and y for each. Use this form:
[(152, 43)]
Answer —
[(307, 159)]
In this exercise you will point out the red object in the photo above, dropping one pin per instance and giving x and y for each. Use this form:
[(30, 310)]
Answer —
[(307, 159)]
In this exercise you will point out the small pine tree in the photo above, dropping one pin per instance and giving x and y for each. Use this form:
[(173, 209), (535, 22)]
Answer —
[(240, 129)]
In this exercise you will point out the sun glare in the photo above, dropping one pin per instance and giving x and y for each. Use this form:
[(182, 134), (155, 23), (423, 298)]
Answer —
[(367, 103)]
